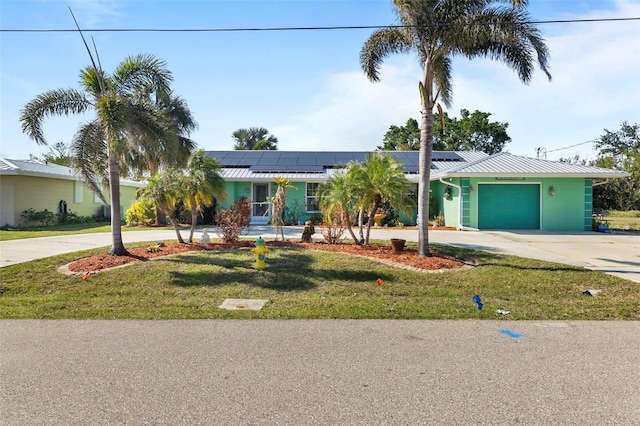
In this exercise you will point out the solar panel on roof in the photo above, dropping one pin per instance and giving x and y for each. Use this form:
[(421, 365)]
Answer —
[(286, 169), (307, 161), (445, 156), (268, 161)]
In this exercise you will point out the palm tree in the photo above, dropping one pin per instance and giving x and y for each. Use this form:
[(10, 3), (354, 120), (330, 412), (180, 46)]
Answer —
[(254, 138), (104, 143), (337, 195), (278, 203), (202, 181), (381, 178), (165, 190), (439, 30), (171, 151)]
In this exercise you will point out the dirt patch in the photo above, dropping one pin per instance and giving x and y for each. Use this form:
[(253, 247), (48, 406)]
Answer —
[(407, 258)]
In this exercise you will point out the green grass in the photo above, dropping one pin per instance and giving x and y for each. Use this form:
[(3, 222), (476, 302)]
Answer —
[(627, 220), (308, 284), (52, 231)]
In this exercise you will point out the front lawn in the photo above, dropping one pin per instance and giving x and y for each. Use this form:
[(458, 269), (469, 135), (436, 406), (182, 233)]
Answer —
[(312, 284)]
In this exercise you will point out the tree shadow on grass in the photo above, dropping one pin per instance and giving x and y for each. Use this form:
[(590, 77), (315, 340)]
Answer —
[(223, 271), (290, 270)]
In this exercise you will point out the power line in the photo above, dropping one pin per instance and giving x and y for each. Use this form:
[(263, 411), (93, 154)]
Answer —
[(319, 28), (573, 146), (542, 152)]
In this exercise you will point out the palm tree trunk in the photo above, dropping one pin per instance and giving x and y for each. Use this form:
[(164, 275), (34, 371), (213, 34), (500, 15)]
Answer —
[(372, 213), (424, 161), (360, 225), (174, 222), (348, 220), (117, 247), (376, 204), (161, 217), (194, 221)]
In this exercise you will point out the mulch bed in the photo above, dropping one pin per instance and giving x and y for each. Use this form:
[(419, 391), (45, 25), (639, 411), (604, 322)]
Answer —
[(407, 258)]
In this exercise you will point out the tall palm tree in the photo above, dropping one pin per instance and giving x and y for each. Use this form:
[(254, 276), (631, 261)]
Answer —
[(201, 183), (254, 138), (105, 142), (381, 178), (439, 30)]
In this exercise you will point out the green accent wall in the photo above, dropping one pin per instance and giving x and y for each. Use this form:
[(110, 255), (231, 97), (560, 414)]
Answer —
[(465, 220), (235, 191), (565, 210), (588, 204), (568, 209)]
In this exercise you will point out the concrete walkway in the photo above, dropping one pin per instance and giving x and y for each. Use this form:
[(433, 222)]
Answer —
[(616, 253), (319, 372)]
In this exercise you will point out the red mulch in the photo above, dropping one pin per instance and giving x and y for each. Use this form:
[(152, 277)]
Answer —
[(378, 251)]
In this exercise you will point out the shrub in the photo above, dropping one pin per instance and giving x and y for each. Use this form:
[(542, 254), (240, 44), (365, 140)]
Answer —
[(38, 218), (72, 218), (335, 227), (391, 217), (316, 218), (231, 222), (140, 214)]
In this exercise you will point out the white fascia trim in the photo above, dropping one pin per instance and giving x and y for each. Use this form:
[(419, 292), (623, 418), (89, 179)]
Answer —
[(614, 174)]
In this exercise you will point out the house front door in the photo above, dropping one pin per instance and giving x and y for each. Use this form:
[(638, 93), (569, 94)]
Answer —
[(260, 212)]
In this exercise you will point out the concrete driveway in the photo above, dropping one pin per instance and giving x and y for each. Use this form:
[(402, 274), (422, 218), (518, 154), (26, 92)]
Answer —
[(616, 253)]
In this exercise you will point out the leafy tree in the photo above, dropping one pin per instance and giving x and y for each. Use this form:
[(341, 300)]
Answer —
[(438, 31), (619, 150), (573, 160), (104, 143), (471, 132), (201, 182), (254, 138), (60, 153), (402, 138)]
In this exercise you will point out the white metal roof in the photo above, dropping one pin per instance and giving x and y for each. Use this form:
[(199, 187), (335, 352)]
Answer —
[(458, 164), (38, 168), (508, 165)]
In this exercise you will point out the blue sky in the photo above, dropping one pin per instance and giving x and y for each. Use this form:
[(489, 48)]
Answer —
[(307, 87)]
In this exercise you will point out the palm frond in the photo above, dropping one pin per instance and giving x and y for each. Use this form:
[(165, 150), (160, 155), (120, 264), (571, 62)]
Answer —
[(506, 35), (89, 158), (51, 103), (381, 44), (140, 71)]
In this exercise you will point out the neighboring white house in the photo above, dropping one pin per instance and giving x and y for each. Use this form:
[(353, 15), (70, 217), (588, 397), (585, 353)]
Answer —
[(33, 184)]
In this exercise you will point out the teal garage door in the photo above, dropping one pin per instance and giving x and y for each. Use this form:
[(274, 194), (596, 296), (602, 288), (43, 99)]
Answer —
[(509, 206)]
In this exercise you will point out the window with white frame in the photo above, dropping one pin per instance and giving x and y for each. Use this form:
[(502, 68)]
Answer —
[(312, 197), (78, 193)]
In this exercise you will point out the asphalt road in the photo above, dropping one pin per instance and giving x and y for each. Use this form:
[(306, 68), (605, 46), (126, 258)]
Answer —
[(319, 372)]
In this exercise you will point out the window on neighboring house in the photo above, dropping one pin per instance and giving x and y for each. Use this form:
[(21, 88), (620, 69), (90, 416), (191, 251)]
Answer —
[(78, 193), (312, 197)]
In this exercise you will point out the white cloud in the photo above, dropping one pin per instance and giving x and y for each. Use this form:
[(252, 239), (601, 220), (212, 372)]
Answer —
[(595, 68), (352, 113)]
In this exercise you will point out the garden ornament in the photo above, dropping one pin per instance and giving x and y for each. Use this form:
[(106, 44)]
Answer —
[(205, 239)]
